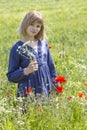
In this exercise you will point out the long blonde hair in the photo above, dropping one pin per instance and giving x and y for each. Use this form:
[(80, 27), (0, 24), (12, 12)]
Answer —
[(31, 17)]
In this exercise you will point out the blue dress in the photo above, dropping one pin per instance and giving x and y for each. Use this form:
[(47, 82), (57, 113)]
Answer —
[(41, 80)]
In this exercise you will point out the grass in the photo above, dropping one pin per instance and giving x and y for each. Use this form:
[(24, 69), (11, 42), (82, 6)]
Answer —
[(66, 29)]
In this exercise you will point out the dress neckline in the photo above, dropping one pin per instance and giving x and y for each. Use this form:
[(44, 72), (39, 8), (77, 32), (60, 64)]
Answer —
[(31, 48)]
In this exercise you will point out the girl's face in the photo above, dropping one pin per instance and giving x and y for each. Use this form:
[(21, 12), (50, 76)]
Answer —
[(33, 29)]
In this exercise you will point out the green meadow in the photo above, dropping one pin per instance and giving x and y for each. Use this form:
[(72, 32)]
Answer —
[(66, 31)]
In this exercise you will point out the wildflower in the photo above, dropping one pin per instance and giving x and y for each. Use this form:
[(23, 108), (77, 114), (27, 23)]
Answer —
[(69, 98), (8, 95), (20, 122), (59, 89), (40, 109), (80, 94), (56, 99), (85, 84), (24, 51), (28, 91), (60, 79), (57, 105), (85, 97), (50, 47)]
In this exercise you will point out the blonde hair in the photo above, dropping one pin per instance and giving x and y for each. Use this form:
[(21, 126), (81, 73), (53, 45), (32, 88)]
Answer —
[(31, 17)]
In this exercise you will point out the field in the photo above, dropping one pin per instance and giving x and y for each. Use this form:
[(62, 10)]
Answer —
[(66, 30)]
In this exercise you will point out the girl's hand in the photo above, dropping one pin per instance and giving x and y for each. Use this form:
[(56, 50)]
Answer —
[(32, 67)]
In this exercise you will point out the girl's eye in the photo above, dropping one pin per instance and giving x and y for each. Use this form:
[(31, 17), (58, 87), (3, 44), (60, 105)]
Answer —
[(31, 24), (38, 26)]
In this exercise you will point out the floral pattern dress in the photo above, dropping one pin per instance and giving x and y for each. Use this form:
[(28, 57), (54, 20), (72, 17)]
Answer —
[(41, 80)]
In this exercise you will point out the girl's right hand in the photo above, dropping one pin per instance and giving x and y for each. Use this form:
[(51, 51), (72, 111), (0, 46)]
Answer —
[(32, 67)]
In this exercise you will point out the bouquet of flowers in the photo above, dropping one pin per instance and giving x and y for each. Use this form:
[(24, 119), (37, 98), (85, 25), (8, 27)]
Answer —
[(24, 51)]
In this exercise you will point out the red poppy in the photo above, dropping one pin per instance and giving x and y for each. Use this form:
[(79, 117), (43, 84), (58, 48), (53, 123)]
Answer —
[(60, 79), (69, 98), (80, 94), (28, 91), (50, 47), (8, 95), (85, 84), (59, 89)]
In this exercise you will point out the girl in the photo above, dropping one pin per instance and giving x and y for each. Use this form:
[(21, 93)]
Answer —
[(38, 73)]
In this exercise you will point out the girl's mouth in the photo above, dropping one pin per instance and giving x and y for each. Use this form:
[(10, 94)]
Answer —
[(33, 32)]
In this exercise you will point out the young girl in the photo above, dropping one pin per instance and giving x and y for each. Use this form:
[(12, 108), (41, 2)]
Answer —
[(39, 73)]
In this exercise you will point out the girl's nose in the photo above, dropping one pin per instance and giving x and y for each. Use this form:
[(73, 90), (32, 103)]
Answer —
[(35, 28)]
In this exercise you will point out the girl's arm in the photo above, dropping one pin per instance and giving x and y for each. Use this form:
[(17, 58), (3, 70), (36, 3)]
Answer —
[(52, 68), (15, 73), (51, 64)]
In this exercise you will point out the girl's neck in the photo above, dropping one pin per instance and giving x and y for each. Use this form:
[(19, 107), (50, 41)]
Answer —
[(30, 41), (25, 39)]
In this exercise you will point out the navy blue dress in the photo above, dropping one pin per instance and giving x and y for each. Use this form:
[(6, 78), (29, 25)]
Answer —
[(40, 80)]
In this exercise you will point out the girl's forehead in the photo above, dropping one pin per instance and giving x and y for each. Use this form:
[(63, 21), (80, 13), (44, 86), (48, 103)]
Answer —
[(37, 22)]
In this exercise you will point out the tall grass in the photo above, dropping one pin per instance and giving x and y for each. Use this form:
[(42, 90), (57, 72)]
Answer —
[(66, 29)]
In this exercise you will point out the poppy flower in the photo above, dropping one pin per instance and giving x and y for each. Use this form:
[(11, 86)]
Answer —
[(8, 95), (60, 79), (80, 94), (28, 91), (85, 84), (40, 109), (69, 98), (50, 47), (59, 89)]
